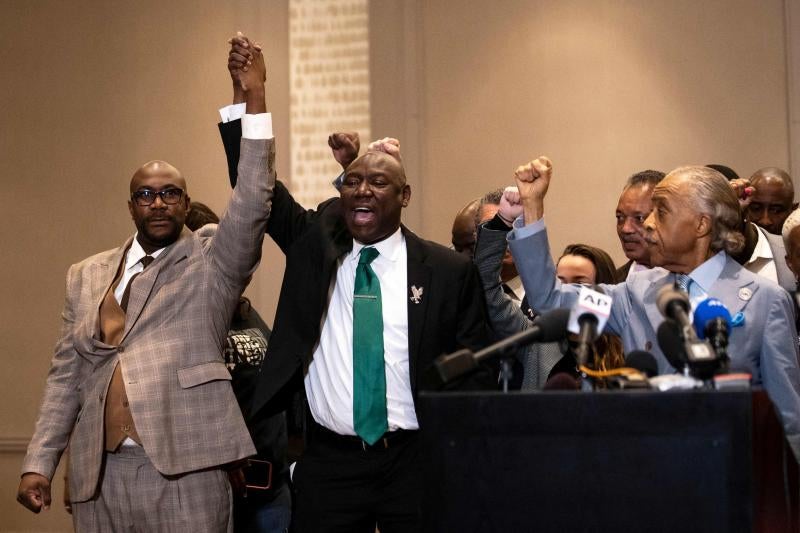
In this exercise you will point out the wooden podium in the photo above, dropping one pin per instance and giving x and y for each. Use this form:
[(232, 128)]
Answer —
[(606, 461)]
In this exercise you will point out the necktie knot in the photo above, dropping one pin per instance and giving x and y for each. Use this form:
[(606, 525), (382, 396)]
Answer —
[(367, 256), (146, 260)]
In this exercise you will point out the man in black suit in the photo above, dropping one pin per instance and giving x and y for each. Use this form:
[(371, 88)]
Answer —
[(350, 479)]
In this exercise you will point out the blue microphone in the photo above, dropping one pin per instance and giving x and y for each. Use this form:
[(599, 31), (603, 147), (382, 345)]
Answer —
[(712, 320)]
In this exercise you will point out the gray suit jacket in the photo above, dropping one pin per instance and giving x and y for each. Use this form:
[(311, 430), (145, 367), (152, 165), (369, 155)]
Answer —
[(505, 315), (764, 345), (177, 384)]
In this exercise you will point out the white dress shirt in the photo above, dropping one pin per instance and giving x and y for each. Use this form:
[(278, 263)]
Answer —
[(329, 381), (762, 262), (133, 265)]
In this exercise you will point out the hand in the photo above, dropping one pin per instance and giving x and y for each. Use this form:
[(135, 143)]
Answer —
[(533, 180), (345, 146), (238, 92), (34, 491), (744, 192), (510, 206), (389, 145), (238, 482), (246, 63)]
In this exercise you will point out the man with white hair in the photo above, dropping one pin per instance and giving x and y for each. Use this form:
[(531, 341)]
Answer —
[(690, 233)]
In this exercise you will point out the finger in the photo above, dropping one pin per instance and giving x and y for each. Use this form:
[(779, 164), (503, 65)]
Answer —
[(392, 150), (45, 491), (335, 141), (242, 51), (29, 499), (237, 58), (524, 173)]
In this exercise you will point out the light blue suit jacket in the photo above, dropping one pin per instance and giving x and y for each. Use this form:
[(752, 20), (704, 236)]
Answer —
[(765, 344)]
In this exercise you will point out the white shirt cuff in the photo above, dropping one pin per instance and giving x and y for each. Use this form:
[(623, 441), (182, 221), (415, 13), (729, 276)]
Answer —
[(257, 126), (232, 112)]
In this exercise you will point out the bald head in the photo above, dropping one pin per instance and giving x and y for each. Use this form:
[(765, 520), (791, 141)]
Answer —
[(157, 168), (380, 160), (463, 232), (772, 200)]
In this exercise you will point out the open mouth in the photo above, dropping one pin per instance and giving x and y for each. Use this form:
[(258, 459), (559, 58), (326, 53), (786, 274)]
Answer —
[(363, 215)]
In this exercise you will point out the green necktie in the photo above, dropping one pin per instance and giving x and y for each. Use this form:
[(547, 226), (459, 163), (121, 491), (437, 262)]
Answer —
[(369, 373)]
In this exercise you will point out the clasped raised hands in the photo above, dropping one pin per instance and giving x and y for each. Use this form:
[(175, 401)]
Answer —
[(246, 63)]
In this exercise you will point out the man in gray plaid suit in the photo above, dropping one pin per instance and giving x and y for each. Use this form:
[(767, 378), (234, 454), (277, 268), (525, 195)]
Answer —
[(137, 386)]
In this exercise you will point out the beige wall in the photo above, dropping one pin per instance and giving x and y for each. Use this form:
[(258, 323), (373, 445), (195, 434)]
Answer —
[(91, 90), (605, 88)]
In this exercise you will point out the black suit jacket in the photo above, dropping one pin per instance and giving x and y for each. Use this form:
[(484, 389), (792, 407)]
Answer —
[(450, 315), (622, 272)]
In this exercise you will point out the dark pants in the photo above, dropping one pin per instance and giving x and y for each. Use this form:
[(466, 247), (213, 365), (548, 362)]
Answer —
[(339, 486)]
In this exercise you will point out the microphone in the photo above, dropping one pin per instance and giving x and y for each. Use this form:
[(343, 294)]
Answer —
[(671, 344), (638, 360), (700, 356), (712, 320), (549, 327), (675, 305), (642, 361), (587, 318)]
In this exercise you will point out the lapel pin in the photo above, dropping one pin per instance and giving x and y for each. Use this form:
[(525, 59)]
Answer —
[(737, 320), (416, 294), (745, 294)]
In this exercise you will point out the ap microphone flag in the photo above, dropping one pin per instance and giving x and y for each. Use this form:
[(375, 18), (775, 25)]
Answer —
[(590, 302)]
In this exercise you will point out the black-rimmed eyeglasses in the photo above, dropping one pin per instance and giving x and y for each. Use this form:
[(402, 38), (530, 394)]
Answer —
[(146, 197)]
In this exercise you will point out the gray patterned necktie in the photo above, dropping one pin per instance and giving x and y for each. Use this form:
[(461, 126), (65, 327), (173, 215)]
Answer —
[(683, 281)]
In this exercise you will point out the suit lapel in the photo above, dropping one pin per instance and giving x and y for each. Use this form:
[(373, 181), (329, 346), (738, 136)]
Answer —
[(338, 243), (102, 275), (419, 295), (146, 281), (733, 290), (651, 295)]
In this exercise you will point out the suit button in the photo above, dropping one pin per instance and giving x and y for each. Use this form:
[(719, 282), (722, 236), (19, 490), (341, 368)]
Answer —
[(120, 349)]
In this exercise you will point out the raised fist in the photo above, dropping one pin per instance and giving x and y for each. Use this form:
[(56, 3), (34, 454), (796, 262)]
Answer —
[(390, 145), (533, 179), (510, 205), (345, 146)]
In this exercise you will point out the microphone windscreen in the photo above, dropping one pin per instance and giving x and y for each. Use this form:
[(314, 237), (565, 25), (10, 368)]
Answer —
[(667, 295), (709, 310), (553, 324), (642, 361), (670, 341), (561, 381)]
